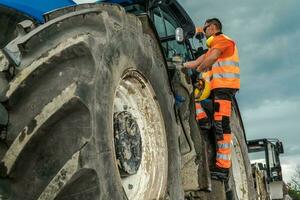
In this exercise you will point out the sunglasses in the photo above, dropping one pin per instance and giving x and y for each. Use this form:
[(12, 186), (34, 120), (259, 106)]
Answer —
[(205, 27)]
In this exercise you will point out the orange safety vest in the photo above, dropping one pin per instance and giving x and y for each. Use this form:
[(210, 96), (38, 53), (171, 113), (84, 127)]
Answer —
[(225, 72)]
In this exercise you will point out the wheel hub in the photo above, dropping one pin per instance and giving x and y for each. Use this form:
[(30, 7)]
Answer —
[(140, 138), (128, 143)]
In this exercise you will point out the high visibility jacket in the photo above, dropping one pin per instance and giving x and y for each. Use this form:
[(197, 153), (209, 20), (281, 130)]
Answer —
[(225, 72)]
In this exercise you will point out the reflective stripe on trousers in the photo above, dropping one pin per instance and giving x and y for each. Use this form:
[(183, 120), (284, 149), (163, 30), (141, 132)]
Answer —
[(200, 113), (223, 156), (222, 112)]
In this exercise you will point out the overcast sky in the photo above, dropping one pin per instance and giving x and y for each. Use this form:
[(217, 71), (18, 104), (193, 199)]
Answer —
[(268, 37)]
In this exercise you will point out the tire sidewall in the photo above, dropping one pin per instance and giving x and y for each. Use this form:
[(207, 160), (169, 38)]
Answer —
[(127, 50), (238, 132)]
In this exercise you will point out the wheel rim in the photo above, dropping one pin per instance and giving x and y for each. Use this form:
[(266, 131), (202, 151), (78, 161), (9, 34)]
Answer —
[(135, 95), (238, 170)]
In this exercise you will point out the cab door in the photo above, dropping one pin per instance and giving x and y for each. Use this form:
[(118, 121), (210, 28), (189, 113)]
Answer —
[(166, 25)]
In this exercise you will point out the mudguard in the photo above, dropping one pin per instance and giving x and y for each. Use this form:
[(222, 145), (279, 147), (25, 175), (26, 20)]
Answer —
[(36, 9)]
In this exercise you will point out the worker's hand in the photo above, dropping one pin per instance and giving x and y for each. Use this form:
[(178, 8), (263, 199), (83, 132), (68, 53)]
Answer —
[(186, 65), (179, 66), (200, 69)]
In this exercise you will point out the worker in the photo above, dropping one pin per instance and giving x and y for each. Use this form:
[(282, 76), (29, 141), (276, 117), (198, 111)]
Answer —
[(220, 66)]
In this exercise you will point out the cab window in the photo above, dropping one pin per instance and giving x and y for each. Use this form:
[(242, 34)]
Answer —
[(166, 26), (159, 25)]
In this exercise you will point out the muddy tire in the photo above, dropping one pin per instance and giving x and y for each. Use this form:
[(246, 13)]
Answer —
[(77, 71), (240, 185)]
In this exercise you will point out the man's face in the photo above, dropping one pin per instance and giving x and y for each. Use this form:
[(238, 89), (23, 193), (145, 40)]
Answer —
[(208, 29)]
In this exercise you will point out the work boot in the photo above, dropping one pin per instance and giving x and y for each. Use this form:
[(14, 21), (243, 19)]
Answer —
[(229, 192), (218, 173)]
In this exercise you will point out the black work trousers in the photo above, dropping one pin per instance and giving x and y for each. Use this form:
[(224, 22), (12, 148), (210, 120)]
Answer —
[(222, 102)]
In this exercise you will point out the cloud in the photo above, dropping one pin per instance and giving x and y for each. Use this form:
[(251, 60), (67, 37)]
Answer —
[(277, 119), (289, 164)]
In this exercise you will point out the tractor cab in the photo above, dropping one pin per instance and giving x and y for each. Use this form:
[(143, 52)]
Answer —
[(173, 26), (264, 156)]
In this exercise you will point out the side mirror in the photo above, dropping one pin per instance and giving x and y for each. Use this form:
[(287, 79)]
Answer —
[(179, 35)]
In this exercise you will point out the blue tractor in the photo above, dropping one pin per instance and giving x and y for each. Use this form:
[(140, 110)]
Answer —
[(94, 106)]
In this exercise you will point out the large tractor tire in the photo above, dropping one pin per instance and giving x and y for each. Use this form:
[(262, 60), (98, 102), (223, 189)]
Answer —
[(241, 184), (91, 112)]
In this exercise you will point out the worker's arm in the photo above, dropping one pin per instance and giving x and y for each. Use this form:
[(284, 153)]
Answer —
[(194, 63), (206, 64)]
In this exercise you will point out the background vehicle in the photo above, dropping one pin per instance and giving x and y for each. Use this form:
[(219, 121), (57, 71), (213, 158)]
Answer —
[(88, 109), (264, 154)]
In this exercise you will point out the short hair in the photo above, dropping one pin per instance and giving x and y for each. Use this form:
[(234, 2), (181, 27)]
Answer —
[(216, 22)]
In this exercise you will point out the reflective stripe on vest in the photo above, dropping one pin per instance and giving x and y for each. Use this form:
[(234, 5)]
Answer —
[(225, 75), (226, 63)]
